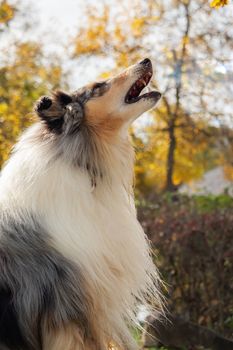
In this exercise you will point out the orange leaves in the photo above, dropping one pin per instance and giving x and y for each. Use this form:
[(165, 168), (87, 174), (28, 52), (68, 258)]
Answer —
[(6, 12), (228, 170), (219, 3)]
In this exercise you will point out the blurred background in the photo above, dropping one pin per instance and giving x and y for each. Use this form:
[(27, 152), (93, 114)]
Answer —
[(184, 164)]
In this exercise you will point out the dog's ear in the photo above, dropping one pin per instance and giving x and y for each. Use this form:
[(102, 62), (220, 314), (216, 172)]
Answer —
[(74, 117), (62, 98), (52, 110), (43, 104)]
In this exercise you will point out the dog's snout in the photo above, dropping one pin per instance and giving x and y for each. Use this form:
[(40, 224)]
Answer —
[(146, 62)]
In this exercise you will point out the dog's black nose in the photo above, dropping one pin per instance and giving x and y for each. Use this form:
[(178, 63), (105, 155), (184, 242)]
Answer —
[(146, 62)]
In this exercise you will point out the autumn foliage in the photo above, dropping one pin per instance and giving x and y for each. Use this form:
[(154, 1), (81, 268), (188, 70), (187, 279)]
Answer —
[(7, 13), (219, 3), (180, 143), (23, 79)]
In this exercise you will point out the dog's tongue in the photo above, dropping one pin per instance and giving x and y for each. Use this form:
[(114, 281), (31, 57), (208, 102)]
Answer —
[(137, 88), (134, 91)]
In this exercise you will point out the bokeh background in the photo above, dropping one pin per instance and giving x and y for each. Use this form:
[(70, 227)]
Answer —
[(184, 164)]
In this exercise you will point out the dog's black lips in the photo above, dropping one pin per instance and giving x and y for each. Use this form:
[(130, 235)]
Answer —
[(133, 95)]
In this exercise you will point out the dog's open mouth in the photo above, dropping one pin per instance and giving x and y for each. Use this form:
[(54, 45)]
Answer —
[(133, 95)]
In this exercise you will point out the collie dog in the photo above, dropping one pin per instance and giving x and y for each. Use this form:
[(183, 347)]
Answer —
[(74, 260)]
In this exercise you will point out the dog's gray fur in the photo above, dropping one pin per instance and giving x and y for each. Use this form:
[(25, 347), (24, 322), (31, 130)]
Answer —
[(34, 279)]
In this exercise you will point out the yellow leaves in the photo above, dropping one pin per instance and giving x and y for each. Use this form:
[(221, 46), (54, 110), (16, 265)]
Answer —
[(104, 35), (6, 12), (186, 40), (91, 42), (123, 59), (94, 33), (219, 3), (27, 51), (118, 33), (105, 75), (3, 109), (150, 168), (137, 26), (93, 38), (22, 82), (192, 148)]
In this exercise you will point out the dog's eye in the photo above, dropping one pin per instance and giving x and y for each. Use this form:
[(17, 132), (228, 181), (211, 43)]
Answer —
[(99, 89), (98, 85)]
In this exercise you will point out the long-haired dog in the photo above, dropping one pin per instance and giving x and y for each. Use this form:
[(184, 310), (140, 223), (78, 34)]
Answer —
[(74, 260)]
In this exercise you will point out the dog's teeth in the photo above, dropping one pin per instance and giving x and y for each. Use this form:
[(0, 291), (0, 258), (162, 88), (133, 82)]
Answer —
[(141, 82)]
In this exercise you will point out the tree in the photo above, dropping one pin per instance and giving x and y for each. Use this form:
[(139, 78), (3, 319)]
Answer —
[(24, 77), (191, 46), (7, 13), (193, 155)]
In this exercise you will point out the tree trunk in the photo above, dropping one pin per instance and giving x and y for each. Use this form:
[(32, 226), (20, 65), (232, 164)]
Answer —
[(170, 160)]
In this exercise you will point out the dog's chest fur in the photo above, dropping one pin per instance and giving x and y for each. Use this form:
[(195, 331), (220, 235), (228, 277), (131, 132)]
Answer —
[(94, 227)]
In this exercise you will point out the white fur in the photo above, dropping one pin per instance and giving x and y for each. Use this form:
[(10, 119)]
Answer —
[(97, 229)]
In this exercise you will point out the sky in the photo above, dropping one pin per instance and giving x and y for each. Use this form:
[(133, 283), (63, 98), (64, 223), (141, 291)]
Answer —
[(66, 13), (58, 20), (62, 16), (55, 23)]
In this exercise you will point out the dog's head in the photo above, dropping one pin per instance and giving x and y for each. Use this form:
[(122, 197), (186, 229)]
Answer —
[(105, 106), (83, 125)]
